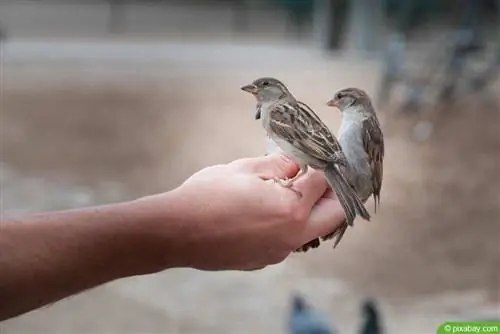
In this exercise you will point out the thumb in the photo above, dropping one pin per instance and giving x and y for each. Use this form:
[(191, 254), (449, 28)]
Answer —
[(267, 167)]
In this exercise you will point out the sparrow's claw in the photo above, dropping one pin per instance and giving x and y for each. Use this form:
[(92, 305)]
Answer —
[(287, 183)]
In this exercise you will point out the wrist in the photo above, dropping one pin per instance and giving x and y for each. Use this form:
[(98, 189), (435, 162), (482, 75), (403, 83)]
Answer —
[(160, 234)]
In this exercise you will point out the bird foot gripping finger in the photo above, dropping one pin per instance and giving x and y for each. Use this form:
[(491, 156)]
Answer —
[(287, 183)]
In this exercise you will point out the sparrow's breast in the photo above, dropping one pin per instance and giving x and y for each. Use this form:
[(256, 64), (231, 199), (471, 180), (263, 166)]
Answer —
[(297, 155), (359, 173), (272, 147)]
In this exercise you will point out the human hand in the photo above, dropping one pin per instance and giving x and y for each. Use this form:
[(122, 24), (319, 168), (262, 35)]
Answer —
[(223, 217), (235, 217)]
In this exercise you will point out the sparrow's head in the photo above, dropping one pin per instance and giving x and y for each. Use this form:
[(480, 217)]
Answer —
[(350, 97), (267, 89)]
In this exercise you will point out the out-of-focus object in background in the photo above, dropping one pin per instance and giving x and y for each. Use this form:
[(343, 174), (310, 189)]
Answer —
[(329, 23), (116, 16), (422, 131), (490, 312), (482, 80), (363, 31), (3, 33), (460, 64), (241, 17), (304, 319), (371, 323), (299, 12), (362, 142), (392, 71)]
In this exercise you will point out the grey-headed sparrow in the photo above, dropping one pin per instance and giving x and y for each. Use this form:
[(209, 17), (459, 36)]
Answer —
[(303, 137), (362, 142)]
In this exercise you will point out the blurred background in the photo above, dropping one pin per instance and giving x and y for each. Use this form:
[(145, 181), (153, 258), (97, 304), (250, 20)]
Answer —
[(105, 101)]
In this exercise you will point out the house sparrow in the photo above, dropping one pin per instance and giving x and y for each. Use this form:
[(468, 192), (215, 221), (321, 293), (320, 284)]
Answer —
[(362, 142), (302, 136)]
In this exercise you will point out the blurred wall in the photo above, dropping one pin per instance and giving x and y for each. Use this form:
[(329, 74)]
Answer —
[(30, 19)]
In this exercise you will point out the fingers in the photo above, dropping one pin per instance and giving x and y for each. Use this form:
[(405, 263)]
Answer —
[(267, 167), (325, 212), (312, 186), (326, 216)]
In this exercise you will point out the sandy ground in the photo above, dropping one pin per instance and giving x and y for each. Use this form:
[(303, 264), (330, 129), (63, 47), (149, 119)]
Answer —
[(79, 133)]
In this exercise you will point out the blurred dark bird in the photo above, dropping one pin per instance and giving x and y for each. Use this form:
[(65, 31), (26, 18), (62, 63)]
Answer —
[(371, 319), (306, 320)]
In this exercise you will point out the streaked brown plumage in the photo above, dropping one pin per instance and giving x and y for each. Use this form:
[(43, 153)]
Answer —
[(300, 133)]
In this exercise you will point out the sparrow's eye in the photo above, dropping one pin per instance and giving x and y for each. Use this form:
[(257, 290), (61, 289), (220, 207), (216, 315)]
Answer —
[(265, 83), (339, 96)]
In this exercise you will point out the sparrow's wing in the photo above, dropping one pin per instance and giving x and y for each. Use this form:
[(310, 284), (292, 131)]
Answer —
[(373, 142), (300, 126)]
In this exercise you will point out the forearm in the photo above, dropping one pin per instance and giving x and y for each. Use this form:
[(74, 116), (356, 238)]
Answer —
[(47, 257)]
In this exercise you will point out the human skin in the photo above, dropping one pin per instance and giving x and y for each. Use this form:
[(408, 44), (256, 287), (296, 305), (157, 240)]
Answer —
[(224, 217)]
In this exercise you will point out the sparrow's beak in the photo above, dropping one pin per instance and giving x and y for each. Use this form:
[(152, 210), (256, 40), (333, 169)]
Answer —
[(252, 89), (258, 114), (332, 103)]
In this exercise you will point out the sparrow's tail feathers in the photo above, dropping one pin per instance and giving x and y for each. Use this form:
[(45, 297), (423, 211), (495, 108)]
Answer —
[(360, 208), (339, 233), (350, 201), (335, 180)]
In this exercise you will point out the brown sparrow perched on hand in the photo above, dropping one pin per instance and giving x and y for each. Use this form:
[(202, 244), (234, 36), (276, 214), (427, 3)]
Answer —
[(362, 142), (302, 136)]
